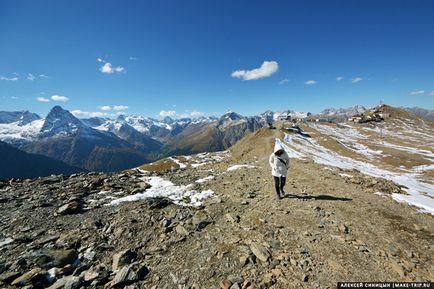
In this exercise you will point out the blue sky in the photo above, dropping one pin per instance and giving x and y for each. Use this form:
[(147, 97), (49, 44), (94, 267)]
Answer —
[(199, 57)]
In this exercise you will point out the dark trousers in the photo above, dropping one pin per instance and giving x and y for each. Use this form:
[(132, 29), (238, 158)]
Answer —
[(279, 183)]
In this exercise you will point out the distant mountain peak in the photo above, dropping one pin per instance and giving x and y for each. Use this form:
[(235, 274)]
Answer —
[(230, 115), (22, 117), (60, 122), (168, 120)]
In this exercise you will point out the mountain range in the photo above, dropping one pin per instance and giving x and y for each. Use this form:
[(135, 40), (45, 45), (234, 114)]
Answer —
[(105, 144)]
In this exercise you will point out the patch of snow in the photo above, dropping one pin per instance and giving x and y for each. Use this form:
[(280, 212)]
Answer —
[(178, 162), (180, 195), (206, 179), (103, 192), (236, 167), (309, 147), (198, 165), (345, 175), (423, 168)]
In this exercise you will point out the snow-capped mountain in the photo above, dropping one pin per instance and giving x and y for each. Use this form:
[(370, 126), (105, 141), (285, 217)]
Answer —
[(333, 112), (157, 129), (270, 116), (19, 117), (18, 127), (60, 122)]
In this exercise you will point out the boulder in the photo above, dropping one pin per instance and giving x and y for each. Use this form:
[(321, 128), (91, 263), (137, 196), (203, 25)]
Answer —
[(260, 252), (129, 274), (123, 258), (33, 276), (73, 207)]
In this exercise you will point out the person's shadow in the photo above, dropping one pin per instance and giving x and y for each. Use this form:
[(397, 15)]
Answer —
[(316, 198)]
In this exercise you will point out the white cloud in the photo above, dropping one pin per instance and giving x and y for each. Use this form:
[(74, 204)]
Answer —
[(43, 76), (8, 78), (311, 82), (30, 77), (339, 78), (108, 69), (165, 113), (99, 59), (60, 98), (417, 92), (120, 107), (105, 107), (42, 99), (283, 81), (267, 69), (132, 58), (196, 113), (86, 114), (356, 79)]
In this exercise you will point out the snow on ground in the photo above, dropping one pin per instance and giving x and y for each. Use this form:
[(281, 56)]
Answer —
[(347, 137), (178, 162), (298, 146), (350, 138), (208, 158), (204, 180), (345, 175), (196, 165), (236, 167), (423, 168), (181, 195)]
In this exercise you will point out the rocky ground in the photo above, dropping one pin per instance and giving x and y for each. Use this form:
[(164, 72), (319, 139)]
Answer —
[(333, 225)]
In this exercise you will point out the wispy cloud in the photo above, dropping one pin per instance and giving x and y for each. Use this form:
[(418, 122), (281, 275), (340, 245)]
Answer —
[(42, 99), (85, 114), (191, 114), (356, 79), (267, 69), (339, 78), (14, 78), (431, 93), (120, 107), (43, 76), (417, 92), (311, 82), (283, 81), (165, 113), (108, 69), (132, 58), (114, 107), (60, 98), (105, 107), (30, 77)]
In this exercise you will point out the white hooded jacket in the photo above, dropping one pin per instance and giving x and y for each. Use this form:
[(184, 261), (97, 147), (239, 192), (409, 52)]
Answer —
[(279, 164)]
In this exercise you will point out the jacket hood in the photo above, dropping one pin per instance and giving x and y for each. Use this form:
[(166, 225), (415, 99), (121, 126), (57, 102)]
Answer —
[(278, 145)]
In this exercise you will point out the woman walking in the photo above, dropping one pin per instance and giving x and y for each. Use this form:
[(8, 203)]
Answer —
[(279, 163)]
